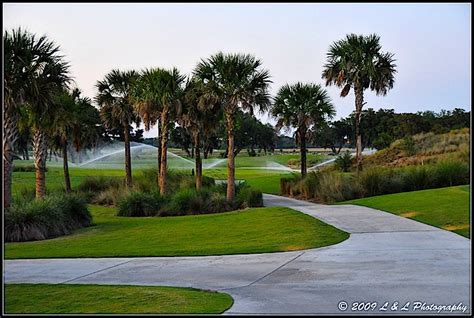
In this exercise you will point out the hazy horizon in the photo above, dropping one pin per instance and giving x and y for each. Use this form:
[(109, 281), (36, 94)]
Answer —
[(431, 42)]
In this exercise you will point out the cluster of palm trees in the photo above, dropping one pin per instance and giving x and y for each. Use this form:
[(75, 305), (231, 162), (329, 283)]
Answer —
[(37, 79), (38, 94)]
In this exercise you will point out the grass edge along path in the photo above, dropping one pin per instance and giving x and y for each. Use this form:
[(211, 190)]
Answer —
[(446, 208), (112, 299), (249, 231)]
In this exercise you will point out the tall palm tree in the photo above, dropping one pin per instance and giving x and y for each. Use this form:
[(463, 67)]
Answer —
[(237, 81), (199, 115), (357, 62), (51, 79), (65, 118), (116, 111), (157, 94), (75, 122), (25, 56), (302, 106)]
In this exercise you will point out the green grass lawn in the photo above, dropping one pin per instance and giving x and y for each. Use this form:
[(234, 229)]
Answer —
[(111, 299), (446, 208), (263, 180), (251, 169), (256, 230)]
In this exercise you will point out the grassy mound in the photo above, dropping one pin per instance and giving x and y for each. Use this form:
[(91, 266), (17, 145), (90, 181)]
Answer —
[(423, 148), (254, 230), (111, 299), (446, 208)]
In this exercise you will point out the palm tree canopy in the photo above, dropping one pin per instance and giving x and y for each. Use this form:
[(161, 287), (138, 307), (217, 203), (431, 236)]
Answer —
[(301, 105), (34, 74), (76, 120), (155, 89), (30, 64), (199, 110), (357, 60), (114, 98), (236, 79)]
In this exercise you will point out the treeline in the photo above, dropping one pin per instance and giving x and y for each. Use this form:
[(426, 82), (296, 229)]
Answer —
[(380, 128), (251, 135)]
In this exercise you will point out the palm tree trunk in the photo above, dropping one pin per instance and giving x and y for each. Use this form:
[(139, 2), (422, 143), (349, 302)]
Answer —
[(10, 135), (198, 161), (158, 142), (67, 179), (164, 144), (230, 157), (359, 100), (40, 150), (303, 151), (128, 159)]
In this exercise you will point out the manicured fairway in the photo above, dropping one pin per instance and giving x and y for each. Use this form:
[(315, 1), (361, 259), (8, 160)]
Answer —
[(446, 208), (267, 181), (107, 299), (256, 230)]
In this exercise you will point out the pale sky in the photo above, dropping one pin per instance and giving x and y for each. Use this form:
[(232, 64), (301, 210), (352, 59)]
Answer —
[(431, 42)]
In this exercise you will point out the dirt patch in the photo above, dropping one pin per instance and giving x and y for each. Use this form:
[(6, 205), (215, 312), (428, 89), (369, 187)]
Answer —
[(409, 214), (456, 227)]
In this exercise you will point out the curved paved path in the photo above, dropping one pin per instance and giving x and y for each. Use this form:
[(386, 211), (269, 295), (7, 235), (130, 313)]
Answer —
[(386, 259)]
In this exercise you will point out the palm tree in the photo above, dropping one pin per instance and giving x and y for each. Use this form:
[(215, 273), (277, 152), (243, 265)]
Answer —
[(237, 81), (48, 80), (302, 106), (116, 109), (199, 115), (27, 63), (157, 95), (65, 118), (357, 62), (75, 121)]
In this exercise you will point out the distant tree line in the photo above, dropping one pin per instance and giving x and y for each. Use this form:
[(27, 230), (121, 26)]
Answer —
[(380, 128)]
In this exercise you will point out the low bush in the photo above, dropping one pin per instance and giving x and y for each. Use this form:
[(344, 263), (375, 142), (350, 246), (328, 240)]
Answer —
[(110, 196), (250, 198), (98, 184), (46, 218), (217, 202), (333, 186), (451, 173), (25, 194), (287, 184), (344, 161), (28, 168), (141, 204)]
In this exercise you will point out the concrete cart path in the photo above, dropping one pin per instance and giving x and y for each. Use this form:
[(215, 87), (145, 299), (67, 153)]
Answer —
[(386, 259)]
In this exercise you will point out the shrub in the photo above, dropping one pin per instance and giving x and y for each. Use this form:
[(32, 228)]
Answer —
[(28, 168), (383, 141), (330, 187), (46, 218), (417, 178), (140, 204), (248, 198), (217, 202), (343, 162), (450, 173), (186, 201), (110, 196), (308, 185), (371, 180), (26, 194), (294, 162), (287, 185), (98, 184), (208, 181), (251, 153)]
